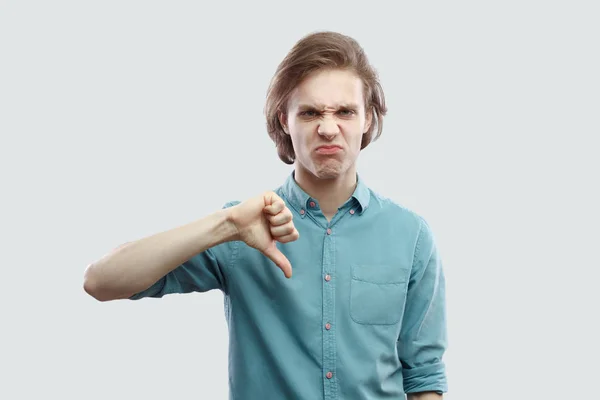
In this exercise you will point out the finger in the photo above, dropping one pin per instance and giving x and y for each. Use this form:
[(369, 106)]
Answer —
[(283, 217), (270, 198), (275, 208), (282, 230), (275, 255), (288, 238), (273, 203)]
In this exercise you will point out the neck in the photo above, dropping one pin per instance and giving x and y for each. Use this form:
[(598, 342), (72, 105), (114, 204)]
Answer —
[(330, 193)]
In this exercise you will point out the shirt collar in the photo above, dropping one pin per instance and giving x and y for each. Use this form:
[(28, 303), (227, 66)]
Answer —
[(301, 200)]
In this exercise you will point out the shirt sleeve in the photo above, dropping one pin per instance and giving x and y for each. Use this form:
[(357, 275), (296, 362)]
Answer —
[(423, 337), (203, 272)]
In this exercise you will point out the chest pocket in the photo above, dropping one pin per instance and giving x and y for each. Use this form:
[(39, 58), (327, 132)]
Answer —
[(377, 294)]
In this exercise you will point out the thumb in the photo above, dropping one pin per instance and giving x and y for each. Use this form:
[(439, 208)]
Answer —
[(279, 259)]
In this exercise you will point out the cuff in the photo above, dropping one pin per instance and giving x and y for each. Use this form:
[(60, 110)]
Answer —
[(428, 378)]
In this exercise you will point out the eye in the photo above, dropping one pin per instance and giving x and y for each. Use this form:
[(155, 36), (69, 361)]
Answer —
[(347, 113), (308, 113)]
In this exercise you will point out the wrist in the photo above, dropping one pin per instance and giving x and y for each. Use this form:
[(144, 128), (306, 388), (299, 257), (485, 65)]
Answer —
[(230, 224)]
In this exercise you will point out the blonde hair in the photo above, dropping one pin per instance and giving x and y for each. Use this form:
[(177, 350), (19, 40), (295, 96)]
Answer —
[(315, 52)]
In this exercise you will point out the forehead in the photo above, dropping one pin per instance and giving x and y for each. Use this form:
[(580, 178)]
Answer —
[(328, 88)]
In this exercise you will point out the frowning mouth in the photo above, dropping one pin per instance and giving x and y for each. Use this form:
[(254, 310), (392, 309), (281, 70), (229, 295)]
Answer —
[(328, 149)]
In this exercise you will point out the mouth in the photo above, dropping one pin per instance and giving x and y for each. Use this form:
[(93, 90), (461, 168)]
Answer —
[(328, 149)]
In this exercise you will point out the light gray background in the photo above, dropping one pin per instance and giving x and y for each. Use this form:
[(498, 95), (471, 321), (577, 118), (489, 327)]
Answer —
[(120, 119)]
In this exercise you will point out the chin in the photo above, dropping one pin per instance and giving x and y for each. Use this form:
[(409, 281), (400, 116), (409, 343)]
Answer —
[(329, 171), (327, 174), (331, 168)]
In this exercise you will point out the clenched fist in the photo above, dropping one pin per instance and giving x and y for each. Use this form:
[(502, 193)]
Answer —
[(263, 220)]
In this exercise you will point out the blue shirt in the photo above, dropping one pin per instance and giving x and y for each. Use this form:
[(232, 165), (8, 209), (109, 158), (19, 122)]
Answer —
[(363, 316)]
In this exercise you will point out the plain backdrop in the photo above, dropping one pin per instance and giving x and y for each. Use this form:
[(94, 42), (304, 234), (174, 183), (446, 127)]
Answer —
[(120, 119)]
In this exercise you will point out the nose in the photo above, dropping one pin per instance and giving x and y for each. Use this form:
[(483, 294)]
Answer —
[(328, 127)]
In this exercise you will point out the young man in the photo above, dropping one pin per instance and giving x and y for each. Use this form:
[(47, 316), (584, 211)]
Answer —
[(359, 310)]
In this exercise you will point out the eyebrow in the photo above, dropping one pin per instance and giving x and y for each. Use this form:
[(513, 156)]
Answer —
[(347, 106)]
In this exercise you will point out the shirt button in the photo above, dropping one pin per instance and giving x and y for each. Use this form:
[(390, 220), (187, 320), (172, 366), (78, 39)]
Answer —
[(329, 375), (327, 277), (312, 204), (329, 231), (328, 326), (352, 212), (302, 212)]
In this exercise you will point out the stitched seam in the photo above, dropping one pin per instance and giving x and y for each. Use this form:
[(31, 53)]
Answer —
[(418, 244), (234, 254), (377, 283), (430, 305)]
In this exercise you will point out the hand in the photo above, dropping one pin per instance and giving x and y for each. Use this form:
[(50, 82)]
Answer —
[(263, 220)]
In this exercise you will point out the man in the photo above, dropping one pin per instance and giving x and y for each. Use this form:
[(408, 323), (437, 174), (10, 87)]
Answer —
[(359, 310)]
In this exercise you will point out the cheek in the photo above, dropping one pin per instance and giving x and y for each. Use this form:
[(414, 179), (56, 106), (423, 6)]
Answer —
[(299, 140), (354, 134), (301, 134), (357, 144)]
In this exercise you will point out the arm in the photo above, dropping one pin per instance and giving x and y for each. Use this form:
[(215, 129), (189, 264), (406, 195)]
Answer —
[(422, 340), (134, 267)]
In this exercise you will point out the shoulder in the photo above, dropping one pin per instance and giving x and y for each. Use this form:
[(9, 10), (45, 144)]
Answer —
[(407, 221), (395, 211)]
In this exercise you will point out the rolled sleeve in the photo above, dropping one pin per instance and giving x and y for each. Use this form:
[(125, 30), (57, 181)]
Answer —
[(201, 273), (423, 338)]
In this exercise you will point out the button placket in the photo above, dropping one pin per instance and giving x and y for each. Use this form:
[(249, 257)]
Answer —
[(329, 338)]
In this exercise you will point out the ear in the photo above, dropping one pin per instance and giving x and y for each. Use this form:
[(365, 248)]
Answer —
[(283, 121), (368, 120)]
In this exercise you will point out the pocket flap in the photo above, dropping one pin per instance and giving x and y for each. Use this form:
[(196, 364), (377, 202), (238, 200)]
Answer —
[(379, 273)]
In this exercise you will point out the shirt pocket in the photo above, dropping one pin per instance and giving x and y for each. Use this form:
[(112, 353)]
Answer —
[(377, 294)]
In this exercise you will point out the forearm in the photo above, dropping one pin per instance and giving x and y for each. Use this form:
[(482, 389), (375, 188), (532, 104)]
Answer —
[(424, 396), (135, 266)]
